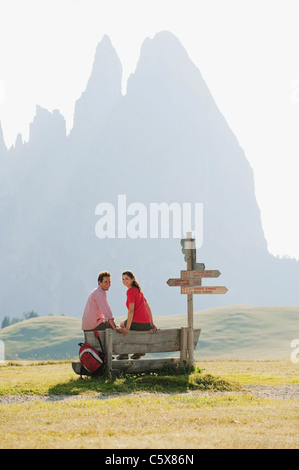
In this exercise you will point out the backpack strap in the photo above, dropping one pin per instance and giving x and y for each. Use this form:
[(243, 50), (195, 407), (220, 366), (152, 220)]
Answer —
[(98, 336)]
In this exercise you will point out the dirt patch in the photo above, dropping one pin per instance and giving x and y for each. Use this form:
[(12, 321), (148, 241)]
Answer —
[(281, 392)]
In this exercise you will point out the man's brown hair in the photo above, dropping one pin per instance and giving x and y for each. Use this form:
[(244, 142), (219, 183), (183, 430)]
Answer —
[(102, 275)]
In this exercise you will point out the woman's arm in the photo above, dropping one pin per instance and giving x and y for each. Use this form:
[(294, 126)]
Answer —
[(150, 312), (129, 319)]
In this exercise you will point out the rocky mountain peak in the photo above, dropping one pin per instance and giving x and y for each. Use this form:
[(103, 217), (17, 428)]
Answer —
[(102, 91)]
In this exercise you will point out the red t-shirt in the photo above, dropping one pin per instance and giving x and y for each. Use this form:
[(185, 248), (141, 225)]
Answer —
[(141, 313)]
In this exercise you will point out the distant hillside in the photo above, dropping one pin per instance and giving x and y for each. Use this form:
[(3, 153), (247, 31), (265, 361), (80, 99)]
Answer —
[(233, 332), (247, 332), (42, 338)]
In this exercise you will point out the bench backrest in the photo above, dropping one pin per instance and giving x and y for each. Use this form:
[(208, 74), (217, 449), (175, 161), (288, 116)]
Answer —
[(165, 340)]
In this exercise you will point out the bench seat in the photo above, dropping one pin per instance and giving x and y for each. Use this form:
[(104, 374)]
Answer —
[(166, 340)]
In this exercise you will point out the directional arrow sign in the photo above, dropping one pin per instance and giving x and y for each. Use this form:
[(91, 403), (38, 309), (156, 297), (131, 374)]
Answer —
[(204, 290), (200, 274), (184, 282)]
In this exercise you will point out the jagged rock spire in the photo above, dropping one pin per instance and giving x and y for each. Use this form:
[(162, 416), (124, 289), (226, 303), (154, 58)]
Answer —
[(102, 91), (47, 127)]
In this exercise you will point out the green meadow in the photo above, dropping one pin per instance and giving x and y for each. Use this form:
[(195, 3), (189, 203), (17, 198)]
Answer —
[(242, 393), (44, 405), (233, 332)]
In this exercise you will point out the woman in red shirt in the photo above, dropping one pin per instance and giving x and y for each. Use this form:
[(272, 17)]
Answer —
[(139, 313)]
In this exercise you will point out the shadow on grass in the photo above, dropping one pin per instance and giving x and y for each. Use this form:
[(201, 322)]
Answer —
[(151, 382)]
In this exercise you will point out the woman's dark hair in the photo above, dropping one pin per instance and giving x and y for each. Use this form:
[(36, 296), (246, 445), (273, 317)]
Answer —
[(134, 283)]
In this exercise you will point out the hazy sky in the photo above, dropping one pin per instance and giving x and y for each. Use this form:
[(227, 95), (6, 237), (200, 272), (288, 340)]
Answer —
[(246, 50)]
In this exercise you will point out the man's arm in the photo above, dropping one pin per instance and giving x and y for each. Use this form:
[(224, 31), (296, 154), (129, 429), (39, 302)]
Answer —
[(106, 311), (114, 326)]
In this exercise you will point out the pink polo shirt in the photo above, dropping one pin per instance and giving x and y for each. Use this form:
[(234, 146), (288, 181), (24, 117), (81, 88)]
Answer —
[(96, 309)]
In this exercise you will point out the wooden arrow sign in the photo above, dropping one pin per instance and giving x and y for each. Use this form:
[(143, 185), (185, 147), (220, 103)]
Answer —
[(184, 282), (200, 274), (204, 290)]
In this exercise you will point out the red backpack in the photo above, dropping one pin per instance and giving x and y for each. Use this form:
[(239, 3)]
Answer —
[(92, 361)]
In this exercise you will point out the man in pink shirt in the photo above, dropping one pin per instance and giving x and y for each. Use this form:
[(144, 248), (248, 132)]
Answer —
[(97, 313)]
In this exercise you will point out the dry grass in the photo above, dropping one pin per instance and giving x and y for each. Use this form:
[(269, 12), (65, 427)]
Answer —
[(170, 422), (143, 419), (255, 372)]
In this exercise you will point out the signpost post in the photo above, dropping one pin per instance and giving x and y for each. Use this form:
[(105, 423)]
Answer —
[(191, 283), (190, 247)]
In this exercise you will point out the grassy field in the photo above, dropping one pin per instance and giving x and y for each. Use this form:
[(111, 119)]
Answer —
[(45, 405), (231, 332)]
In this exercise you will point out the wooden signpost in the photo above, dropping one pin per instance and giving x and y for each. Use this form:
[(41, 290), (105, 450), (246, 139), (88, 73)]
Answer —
[(184, 282), (204, 290), (200, 274), (191, 283)]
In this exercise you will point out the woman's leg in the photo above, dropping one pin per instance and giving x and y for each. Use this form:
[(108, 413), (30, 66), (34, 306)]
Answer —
[(140, 327)]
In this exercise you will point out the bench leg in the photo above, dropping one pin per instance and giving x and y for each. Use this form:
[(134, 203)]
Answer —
[(184, 347), (108, 348)]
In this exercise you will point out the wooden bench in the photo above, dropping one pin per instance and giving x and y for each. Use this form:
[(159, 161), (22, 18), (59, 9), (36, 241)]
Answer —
[(166, 340)]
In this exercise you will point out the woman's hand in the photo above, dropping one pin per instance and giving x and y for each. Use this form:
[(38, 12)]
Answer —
[(124, 331), (155, 328)]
